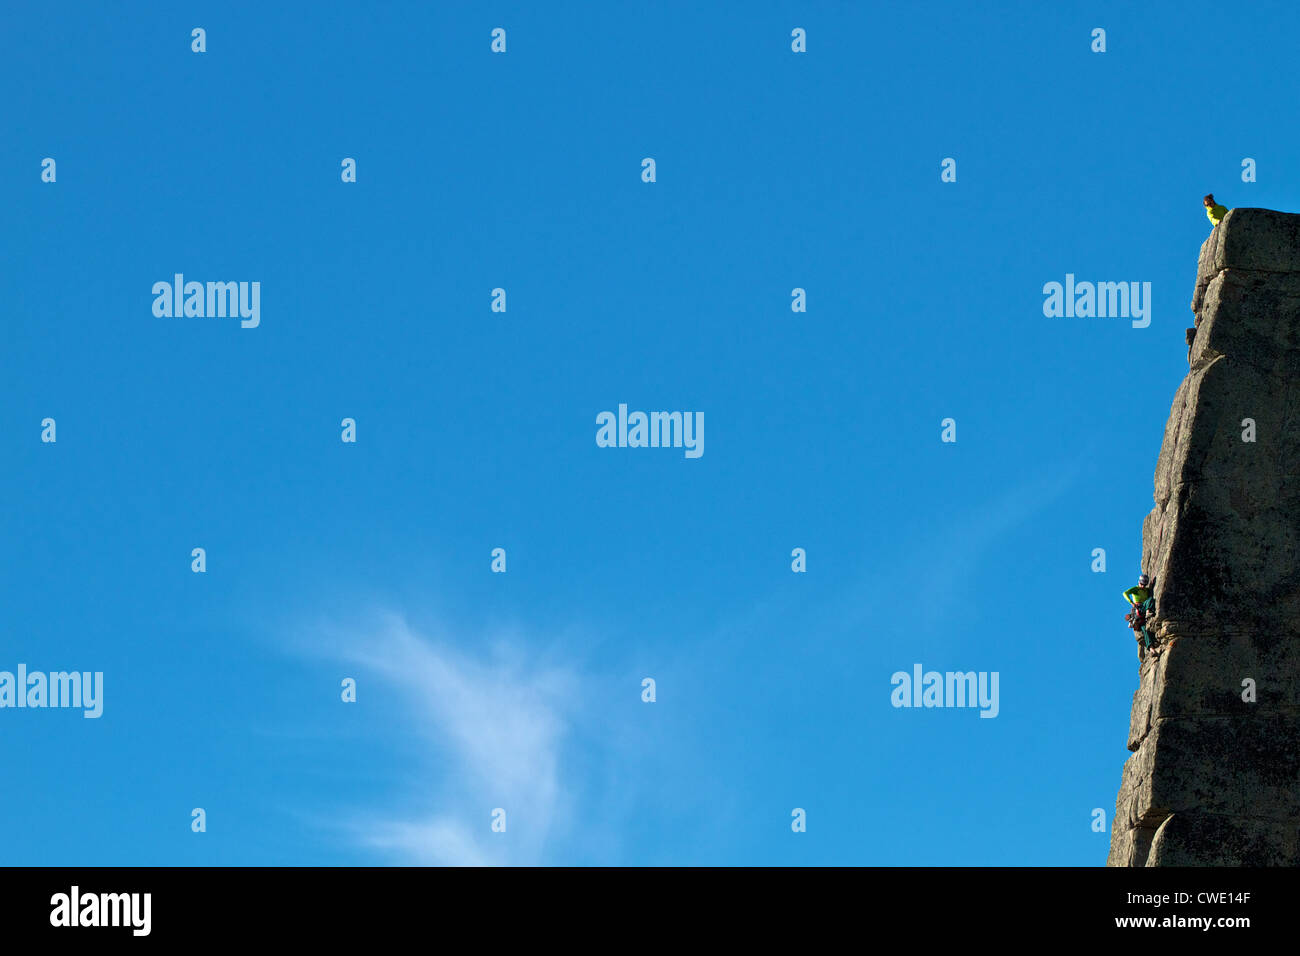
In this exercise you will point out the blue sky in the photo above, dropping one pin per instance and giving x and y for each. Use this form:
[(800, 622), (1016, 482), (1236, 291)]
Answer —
[(476, 429)]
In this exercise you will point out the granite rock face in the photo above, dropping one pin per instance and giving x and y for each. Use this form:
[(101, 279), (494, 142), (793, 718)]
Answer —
[(1214, 780)]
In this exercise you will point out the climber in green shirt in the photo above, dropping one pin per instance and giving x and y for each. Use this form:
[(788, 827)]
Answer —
[(1143, 603), (1213, 211), (1139, 595)]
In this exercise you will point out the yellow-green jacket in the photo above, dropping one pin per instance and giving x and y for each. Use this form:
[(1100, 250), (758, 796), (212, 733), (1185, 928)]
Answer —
[(1137, 596), (1215, 214)]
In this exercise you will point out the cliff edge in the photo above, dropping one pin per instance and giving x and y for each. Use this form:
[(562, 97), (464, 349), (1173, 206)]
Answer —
[(1214, 778)]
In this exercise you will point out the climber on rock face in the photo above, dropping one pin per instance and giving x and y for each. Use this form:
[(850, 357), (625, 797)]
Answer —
[(1143, 602), (1213, 211)]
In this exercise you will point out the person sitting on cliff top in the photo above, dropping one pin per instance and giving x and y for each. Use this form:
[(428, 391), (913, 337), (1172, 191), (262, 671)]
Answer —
[(1213, 211), (1143, 602)]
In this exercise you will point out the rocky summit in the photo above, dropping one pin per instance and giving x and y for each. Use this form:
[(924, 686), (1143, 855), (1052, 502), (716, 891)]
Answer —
[(1214, 777)]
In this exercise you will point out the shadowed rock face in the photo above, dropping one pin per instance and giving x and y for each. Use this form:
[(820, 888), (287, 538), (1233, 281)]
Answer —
[(1214, 780)]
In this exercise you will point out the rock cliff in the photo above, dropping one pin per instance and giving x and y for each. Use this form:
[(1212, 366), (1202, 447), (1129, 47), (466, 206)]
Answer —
[(1214, 778)]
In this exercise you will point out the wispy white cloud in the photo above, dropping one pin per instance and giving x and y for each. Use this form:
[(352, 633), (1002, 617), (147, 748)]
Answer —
[(438, 840), (499, 727)]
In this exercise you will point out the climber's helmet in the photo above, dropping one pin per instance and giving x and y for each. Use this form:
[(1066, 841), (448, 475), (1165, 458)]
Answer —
[(1143, 580), (1209, 199)]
